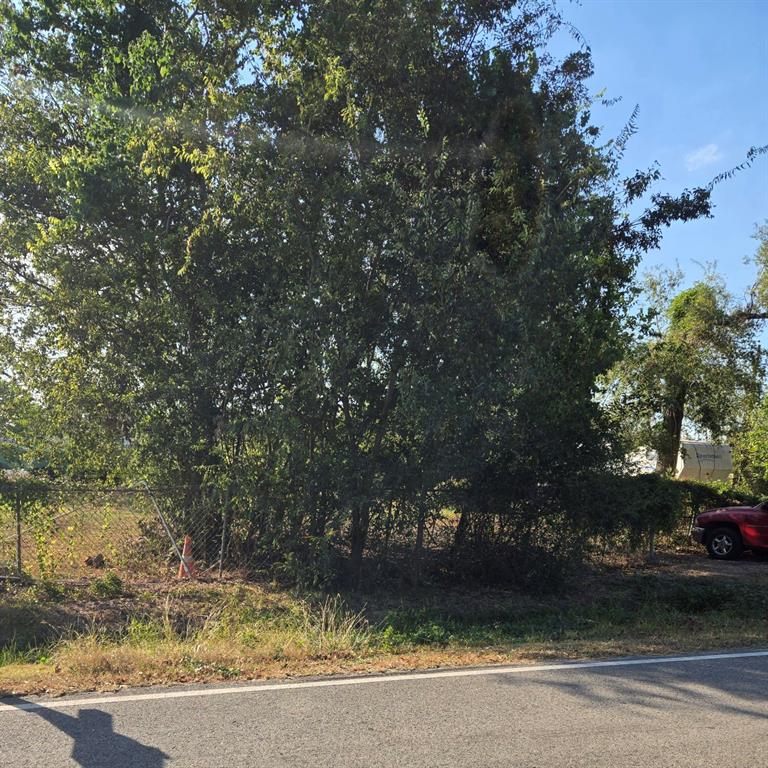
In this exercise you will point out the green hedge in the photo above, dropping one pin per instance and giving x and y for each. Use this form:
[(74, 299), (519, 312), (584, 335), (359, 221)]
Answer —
[(636, 505)]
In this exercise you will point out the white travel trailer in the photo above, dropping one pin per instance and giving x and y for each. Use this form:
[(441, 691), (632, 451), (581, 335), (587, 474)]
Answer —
[(697, 460)]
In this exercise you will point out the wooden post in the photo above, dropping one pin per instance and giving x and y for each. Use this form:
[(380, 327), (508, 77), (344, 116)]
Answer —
[(223, 547), (652, 547)]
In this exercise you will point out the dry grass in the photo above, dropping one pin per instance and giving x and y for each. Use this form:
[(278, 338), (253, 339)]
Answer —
[(90, 665), (205, 632)]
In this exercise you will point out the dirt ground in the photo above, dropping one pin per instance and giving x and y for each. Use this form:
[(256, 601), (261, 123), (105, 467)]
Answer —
[(751, 568), (68, 637), (31, 615)]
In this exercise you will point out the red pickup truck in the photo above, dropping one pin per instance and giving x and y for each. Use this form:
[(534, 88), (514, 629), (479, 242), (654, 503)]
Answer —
[(728, 531)]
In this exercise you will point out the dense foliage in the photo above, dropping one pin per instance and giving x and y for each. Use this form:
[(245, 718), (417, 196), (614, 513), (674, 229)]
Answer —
[(751, 442), (696, 368), (651, 503), (349, 263)]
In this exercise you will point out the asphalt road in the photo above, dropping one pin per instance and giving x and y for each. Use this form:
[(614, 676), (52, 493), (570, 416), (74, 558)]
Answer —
[(693, 713)]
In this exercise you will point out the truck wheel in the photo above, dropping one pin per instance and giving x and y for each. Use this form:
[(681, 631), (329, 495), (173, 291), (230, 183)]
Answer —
[(724, 544)]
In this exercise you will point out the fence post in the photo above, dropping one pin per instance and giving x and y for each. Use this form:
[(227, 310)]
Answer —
[(223, 538), (18, 534), (652, 547)]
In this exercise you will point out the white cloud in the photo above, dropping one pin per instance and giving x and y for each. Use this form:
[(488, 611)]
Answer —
[(702, 157)]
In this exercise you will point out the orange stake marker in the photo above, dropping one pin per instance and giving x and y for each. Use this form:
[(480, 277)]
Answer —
[(186, 557)]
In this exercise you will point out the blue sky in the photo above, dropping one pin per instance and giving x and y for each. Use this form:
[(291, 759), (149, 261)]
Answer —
[(699, 72)]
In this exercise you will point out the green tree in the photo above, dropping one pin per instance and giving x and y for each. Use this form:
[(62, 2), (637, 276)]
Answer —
[(751, 443), (756, 309), (324, 256), (751, 451), (699, 364)]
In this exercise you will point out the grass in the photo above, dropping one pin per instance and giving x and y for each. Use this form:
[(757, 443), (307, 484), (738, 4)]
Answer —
[(108, 586), (103, 638)]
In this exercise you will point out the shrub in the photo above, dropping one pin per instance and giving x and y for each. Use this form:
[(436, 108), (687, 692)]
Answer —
[(633, 506), (331, 628), (107, 587)]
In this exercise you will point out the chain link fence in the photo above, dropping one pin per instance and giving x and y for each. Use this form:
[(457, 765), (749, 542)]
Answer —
[(10, 540), (63, 533), (51, 532)]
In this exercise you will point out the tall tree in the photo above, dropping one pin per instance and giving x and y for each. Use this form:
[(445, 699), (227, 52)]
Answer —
[(751, 442), (323, 253), (697, 365)]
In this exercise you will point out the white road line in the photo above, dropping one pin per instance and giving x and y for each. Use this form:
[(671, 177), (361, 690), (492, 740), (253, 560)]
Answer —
[(392, 678)]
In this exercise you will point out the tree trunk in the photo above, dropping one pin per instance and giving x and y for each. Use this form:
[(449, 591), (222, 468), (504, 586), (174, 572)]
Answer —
[(361, 512), (460, 536), (419, 545), (358, 537), (387, 531), (673, 427)]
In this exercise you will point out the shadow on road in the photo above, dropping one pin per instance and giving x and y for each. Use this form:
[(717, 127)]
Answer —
[(737, 687), (96, 744)]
